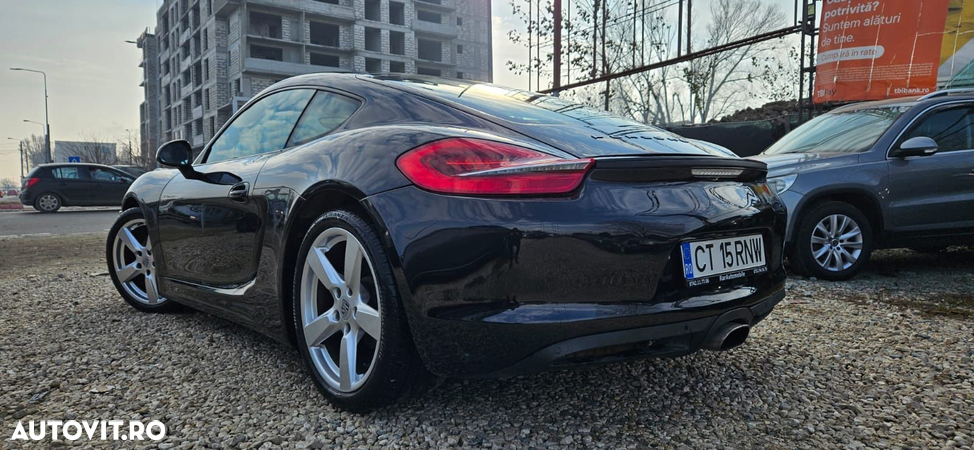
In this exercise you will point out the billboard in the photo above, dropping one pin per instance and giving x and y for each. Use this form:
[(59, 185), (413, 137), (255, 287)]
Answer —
[(957, 52), (875, 49)]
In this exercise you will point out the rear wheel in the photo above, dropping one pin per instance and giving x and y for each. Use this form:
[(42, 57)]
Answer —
[(47, 203), (131, 263), (348, 316), (834, 242)]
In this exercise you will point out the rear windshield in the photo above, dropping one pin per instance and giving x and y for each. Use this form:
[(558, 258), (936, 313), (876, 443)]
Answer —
[(842, 132), (519, 106)]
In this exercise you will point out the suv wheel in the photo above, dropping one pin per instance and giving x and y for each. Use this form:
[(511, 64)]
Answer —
[(47, 203), (834, 242)]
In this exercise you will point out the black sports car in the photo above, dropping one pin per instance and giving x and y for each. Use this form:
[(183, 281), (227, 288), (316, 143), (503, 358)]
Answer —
[(390, 227)]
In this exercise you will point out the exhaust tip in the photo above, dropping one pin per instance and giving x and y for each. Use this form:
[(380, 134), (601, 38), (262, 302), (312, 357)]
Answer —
[(728, 336), (736, 337)]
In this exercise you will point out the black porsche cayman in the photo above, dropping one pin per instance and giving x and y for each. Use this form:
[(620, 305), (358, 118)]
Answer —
[(396, 228)]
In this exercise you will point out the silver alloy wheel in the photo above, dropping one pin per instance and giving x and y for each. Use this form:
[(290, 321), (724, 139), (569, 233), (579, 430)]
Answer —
[(134, 263), (836, 242), (48, 202), (340, 312)]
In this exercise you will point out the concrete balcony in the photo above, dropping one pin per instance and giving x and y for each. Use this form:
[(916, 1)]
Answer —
[(342, 12), (186, 90), (438, 5), (283, 68), (223, 8), (433, 63), (318, 48), (437, 29), (197, 112)]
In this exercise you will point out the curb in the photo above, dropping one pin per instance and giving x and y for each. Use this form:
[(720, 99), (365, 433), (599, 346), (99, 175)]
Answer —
[(11, 207)]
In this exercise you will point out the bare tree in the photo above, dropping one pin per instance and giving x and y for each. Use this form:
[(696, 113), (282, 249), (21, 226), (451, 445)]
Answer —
[(7, 184), (93, 149), (717, 83), (607, 36), (35, 150), (651, 96)]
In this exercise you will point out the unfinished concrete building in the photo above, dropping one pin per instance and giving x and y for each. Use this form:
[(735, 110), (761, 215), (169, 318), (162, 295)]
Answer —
[(214, 55)]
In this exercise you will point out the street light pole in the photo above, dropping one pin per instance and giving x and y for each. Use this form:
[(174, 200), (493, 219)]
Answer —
[(47, 122), (130, 144)]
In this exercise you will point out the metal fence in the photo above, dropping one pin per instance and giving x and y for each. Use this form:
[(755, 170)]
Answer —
[(746, 138)]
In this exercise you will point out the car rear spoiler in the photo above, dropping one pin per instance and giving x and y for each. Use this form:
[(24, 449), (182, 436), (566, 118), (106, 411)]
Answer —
[(677, 168)]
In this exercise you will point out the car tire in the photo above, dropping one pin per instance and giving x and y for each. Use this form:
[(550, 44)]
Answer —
[(833, 242), (131, 264), (47, 202), (395, 368)]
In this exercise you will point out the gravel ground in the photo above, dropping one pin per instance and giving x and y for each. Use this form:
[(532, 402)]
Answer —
[(881, 361)]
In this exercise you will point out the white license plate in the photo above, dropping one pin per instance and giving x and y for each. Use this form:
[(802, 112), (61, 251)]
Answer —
[(705, 259)]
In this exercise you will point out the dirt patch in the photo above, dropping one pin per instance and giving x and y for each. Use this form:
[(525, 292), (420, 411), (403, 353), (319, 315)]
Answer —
[(22, 253)]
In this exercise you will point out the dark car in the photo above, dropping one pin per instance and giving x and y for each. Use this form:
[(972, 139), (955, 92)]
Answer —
[(134, 171), (50, 186), (391, 227), (886, 174)]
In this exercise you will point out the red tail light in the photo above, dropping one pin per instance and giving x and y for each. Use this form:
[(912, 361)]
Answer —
[(31, 182), (478, 167)]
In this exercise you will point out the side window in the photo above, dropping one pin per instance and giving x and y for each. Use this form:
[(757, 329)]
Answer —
[(952, 128), (326, 112), (263, 127), (66, 173), (99, 174)]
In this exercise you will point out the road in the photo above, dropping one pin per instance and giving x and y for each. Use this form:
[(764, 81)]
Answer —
[(66, 221)]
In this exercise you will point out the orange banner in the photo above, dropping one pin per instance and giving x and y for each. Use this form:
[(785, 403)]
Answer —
[(876, 49)]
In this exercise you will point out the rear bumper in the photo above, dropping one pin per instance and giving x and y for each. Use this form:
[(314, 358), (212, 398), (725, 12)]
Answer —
[(667, 340), (26, 198), (489, 283)]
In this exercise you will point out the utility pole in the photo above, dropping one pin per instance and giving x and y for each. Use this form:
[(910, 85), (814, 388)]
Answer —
[(556, 58), (130, 145), (47, 122), (530, 38), (20, 146), (605, 62)]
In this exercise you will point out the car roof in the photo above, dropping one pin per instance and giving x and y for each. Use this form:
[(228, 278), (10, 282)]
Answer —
[(52, 165), (907, 102), (347, 80)]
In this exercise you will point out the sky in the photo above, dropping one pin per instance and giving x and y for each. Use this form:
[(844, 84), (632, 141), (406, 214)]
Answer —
[(93, 74)]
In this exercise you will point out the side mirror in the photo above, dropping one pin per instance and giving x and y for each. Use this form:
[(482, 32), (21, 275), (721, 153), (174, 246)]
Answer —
[(176, 154), (916, 146), (179, 154)]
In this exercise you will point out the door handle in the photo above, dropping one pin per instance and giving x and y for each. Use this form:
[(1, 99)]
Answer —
[(239, 191)]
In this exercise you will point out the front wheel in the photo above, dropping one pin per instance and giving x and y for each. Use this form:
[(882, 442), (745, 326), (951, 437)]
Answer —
[(132, 265), (833, 242), (348, 317)]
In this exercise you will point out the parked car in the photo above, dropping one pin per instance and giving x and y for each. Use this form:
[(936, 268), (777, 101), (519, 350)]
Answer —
[(12, 192), (893, 173), (48, 187), (134, 171), (390, 226)]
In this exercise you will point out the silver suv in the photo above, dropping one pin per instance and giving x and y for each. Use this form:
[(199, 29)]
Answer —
[(892, 173)]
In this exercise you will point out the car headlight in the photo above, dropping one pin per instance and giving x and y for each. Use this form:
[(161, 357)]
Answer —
[(782, 184)]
